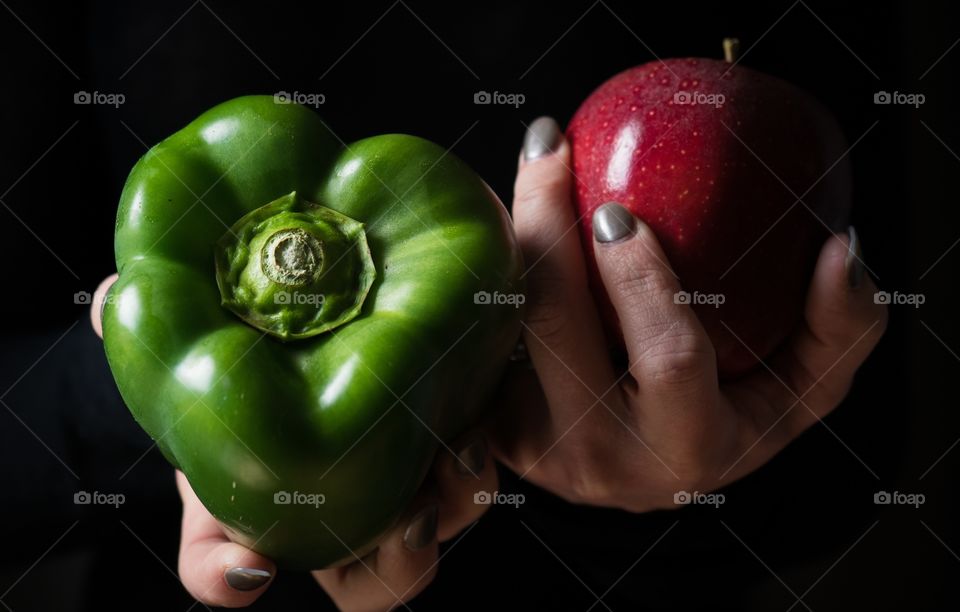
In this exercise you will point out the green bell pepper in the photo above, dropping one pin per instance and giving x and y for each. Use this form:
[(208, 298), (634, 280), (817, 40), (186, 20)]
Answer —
[(301, 323)]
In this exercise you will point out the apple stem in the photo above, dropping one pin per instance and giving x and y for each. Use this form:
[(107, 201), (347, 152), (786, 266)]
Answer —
[(731, 49)]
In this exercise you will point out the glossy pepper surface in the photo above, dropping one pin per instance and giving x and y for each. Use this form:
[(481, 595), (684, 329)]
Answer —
[(300, 323)]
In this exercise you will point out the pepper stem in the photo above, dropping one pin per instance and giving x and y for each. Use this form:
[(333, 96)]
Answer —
[(292, 257), (294, 268)]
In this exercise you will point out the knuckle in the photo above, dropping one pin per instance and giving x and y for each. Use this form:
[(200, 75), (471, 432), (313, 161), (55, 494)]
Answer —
[(587, 485), (840, 323), (811, 387), (635, 280), (584, 476), (597, 473), (691, 470), (678, 359), (547, 316), (541, 192)]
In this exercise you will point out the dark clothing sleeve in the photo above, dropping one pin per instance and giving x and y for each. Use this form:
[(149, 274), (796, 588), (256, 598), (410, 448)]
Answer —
[(65, 430)]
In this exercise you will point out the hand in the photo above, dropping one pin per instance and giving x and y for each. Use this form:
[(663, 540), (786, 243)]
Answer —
[(632, 440), (219, 572)]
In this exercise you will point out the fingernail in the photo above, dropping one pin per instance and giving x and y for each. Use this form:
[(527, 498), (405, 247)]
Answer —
[(246, 578), (854, 263), (471, 458), (542, 138), (422, 529), (612, 222)]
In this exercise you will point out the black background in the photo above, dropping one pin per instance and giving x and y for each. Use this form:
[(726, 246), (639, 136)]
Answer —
[(803, 526)]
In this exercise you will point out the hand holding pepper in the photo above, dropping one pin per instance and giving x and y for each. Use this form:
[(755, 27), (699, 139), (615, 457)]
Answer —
[(219, 572), (632, 440)]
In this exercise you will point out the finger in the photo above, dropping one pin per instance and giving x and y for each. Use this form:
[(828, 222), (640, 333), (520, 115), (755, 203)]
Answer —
[(465, 478), (96, 307), (842, 325), (562, 330), (519, 411), (671, 356), (213, 569), (399, 569)]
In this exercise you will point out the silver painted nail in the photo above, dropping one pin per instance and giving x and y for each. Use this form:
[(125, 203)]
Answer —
[(246, 578), (612, 222), (854, 262), (542, 138), (471, 458), (422, 529)]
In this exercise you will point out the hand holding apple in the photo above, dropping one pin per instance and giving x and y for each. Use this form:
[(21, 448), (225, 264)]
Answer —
[(637, 440)]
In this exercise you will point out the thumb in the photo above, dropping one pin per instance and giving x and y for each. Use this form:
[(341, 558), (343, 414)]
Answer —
[(843, 321), (96, 305)]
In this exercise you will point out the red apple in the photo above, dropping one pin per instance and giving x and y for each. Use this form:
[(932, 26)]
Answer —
[(741, 176)]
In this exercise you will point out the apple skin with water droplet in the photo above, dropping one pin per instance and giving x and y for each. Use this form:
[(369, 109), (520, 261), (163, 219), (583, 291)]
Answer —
[(742, 177)]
